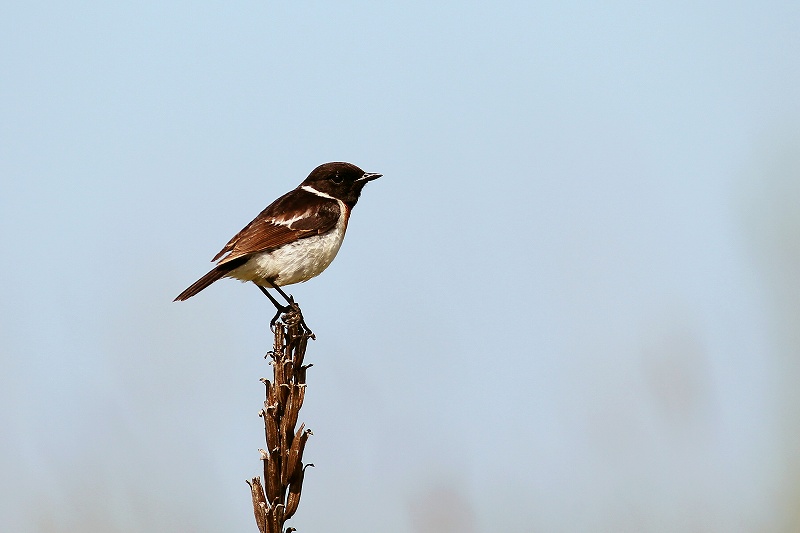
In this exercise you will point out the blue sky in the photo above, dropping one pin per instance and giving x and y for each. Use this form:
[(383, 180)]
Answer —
[(569, 305)]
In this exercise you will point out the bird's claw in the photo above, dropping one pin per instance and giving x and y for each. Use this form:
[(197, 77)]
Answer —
[(281, 310), (291, 315)]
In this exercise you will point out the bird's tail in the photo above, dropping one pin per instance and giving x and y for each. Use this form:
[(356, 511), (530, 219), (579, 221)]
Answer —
[(202, 283)]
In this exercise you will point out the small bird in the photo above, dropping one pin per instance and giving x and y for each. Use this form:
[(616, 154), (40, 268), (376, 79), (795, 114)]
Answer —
[(295, 238)]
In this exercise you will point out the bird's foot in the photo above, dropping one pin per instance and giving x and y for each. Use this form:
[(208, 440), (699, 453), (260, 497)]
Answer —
[(284, 309), (292, 316)]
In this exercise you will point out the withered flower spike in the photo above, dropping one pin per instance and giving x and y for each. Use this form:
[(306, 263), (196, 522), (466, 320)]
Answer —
[(272, 397), (294, 455), (301, 374), (273, 467), (300, 351), (288, 371), (283, 395), (290, 414), (278, 517), (259, 504), (290, 418), (301, 396), (280, 377), (265, 470), (266, 418), (301, 439), (265, 524), (271, 429), (295, 488), (293, 501), (282, 462)]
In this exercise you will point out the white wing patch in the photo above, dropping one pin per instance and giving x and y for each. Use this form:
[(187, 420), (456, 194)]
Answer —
[(289, 221)]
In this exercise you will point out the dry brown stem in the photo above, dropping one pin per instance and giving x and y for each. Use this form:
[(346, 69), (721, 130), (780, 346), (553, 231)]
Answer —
[(276, 501)]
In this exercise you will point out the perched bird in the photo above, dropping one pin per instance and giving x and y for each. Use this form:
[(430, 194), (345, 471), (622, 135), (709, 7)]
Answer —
[(295, 238)]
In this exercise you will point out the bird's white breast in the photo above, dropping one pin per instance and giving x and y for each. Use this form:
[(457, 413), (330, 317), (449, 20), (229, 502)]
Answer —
[(298, 261)]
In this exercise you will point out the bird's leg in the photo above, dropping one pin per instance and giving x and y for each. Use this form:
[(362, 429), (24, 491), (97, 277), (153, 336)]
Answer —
[(279, 307), (284, 308), (288, 297), (293, 306)]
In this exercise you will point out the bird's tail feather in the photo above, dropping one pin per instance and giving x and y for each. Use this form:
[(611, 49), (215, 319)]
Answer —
[(202, 283)]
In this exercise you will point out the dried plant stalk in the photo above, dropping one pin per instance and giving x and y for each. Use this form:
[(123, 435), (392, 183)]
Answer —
[(276, 501)]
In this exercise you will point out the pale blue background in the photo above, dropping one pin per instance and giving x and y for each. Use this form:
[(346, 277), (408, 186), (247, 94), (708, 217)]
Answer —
[(571, 305)]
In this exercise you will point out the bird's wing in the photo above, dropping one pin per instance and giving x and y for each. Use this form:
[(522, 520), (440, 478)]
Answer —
[(295, 215)]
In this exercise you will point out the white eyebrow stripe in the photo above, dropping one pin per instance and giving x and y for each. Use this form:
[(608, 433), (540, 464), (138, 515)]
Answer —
[(312, 190)]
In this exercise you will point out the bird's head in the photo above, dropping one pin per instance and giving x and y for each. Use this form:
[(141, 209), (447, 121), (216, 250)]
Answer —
[(343, 181)]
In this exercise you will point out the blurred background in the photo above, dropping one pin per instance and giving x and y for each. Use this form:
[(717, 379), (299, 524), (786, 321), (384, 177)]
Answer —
[(572, 304)]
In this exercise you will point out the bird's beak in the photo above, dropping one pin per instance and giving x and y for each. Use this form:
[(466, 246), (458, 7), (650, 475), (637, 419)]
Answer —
[(369, 176)]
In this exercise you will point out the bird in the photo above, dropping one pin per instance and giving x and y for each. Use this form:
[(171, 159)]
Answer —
[(295, 238)]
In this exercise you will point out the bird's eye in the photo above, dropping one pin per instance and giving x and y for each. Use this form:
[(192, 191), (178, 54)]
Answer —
[(337, 178)]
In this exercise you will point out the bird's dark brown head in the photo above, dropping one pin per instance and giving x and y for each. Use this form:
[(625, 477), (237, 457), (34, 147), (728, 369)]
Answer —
[(342, 181)]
